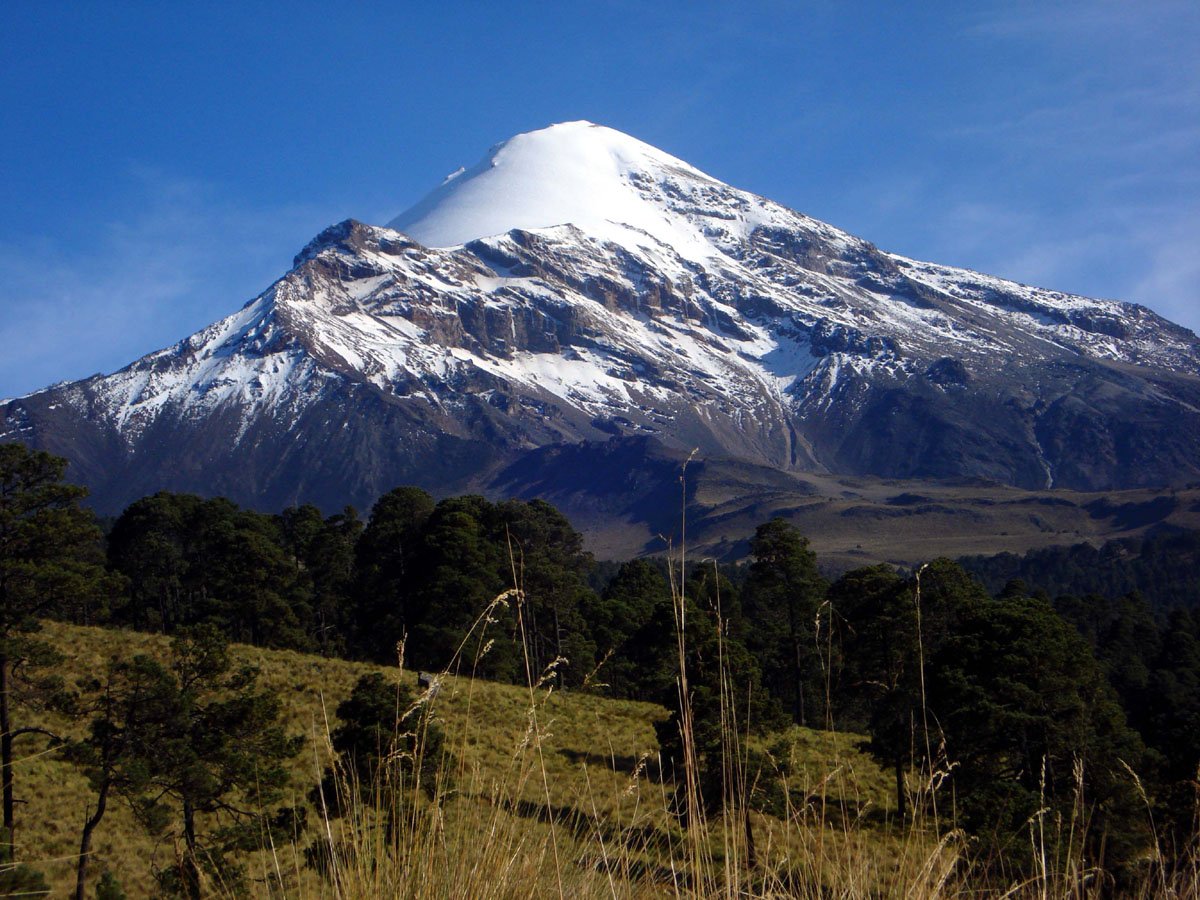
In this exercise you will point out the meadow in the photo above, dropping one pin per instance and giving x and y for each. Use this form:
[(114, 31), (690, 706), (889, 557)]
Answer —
[(552, 791), (545, 792)]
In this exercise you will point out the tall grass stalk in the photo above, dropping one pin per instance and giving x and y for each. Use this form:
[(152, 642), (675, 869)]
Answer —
[(517, 830), (527, 771)]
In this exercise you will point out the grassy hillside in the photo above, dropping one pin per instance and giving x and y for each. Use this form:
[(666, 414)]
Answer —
[(551, 790)]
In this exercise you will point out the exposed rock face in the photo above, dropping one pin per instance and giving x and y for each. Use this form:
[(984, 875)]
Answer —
[(704, 317)]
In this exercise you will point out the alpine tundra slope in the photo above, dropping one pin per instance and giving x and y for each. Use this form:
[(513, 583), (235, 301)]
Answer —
[(579, 297)]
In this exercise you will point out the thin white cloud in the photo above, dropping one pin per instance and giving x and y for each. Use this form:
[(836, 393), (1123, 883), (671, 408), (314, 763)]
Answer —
[(1086, 182), (186, 258), (1081, 19), (1171, 283)]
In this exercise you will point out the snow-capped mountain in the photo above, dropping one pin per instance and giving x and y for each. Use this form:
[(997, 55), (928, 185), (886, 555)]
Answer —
[(577, 285)]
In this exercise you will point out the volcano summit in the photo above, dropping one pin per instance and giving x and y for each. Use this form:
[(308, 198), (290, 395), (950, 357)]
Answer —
[(578, 289)]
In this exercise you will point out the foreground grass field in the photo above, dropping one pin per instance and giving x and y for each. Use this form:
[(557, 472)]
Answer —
[(539, 774), (547, 793)]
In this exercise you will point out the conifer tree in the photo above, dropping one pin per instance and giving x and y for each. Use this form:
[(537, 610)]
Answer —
[(1000, 695), (546, 558), (387, 571), (323, 550), (1171, 725), (783, 594), (137, 714), (725, 695), (191, 560), (50, 564), (876, 609), (1029, 720), (459, 577), (225, 759), (388, 749), (630, 651)]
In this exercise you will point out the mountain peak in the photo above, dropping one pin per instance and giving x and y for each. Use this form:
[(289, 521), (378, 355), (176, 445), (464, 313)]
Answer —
[(674, 307), (574, 173)]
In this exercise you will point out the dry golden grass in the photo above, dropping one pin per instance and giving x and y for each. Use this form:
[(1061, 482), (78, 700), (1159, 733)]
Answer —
[(547, 794), (488, 721), (523, 758)]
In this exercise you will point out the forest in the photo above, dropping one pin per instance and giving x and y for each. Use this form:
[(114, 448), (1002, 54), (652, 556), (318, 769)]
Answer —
[(1069, 671), (1163, 567)]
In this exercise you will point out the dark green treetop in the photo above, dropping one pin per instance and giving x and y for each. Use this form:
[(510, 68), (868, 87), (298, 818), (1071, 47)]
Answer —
[(51, 564), (782, 598)]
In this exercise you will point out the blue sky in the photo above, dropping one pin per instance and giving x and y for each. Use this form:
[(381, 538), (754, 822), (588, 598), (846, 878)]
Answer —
[(163, 162)]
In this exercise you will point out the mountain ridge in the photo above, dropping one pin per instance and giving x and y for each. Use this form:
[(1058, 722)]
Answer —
[(714, 319)]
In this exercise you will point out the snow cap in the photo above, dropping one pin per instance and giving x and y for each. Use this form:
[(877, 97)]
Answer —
[(573, 173)]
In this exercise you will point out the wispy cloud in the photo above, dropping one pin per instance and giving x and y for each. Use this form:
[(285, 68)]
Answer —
[(1083, 172), (1096, 19), (1171, 281), (185, 257)]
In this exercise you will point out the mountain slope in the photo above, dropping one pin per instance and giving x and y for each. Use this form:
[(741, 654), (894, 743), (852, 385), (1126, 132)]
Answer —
[(579, 286)]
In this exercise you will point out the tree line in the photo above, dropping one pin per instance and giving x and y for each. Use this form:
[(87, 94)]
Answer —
[(1163, 567), (1020, 704)]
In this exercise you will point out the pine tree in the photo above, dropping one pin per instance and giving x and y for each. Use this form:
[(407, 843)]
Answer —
[(151, 545), (877, 612), (550, 566), (190, 560), (50, 564), (1025, 711), (388, 749), (225, 759), (1171, 725), (725, 695), (458, 579), (783, 594), (387, 570), (1001, 695), (137, 714), (324, 554), (630, 650)]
